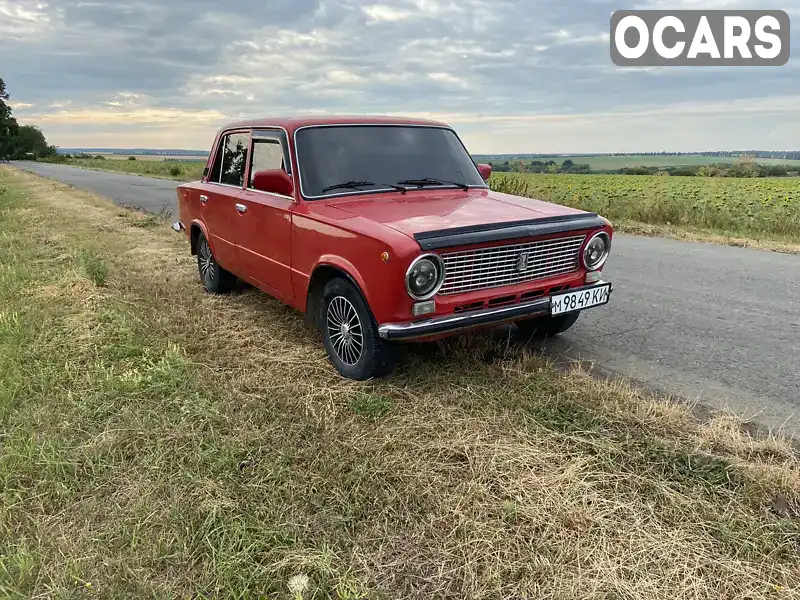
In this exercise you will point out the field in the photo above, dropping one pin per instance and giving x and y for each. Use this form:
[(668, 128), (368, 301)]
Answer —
[(169, 169), (759, 209), (160, 442), (609, 163), (155, 157)]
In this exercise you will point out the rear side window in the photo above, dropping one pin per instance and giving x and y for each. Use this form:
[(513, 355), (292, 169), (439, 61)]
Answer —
[(231, 159)]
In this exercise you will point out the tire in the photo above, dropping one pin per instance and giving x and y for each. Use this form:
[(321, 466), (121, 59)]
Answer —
[(215, 279), (546, 326), (350, 334)]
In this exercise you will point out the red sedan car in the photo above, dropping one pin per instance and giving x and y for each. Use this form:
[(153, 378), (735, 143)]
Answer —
[(383, 230)]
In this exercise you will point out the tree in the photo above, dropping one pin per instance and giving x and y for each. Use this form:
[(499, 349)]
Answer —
[(8, 124), (745, 166), (19, 141), (30, 142)]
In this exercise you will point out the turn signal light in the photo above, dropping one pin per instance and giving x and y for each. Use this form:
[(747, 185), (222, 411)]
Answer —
[(593, 276), (423, 308)]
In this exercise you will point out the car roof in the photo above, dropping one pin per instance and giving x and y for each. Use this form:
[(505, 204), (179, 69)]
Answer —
[(292, 123)]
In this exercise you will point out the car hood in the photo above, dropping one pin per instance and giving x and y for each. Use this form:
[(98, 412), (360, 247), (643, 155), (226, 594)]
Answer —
[(423, 211)]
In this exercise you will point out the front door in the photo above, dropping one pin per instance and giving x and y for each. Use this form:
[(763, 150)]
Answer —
[(264, 220), (218, 197)]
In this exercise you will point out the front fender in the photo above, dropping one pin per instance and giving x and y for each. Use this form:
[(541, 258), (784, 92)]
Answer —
[(380, 283), (332, 260)]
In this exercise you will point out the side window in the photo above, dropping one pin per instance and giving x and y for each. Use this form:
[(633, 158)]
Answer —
[(267, 155), (215, 168), (231, 160)]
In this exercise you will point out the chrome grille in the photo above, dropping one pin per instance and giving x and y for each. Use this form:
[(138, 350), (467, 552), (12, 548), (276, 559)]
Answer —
[(485, 268)]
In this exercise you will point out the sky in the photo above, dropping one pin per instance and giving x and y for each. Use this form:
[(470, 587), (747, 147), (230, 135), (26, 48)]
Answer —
[(510, 76)]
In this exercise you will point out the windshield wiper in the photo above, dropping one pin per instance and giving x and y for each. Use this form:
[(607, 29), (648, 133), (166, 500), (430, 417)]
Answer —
[(357, 185), (432, 181)]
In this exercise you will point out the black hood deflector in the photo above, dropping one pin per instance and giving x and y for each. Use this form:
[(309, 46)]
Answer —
[(493, 232)]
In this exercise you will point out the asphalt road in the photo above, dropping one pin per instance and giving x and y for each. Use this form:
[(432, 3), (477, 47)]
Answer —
[(150, 194), (713, 324)]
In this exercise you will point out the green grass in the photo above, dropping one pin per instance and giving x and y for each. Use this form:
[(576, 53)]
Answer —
[(609, 163), (749, 208), (167, 169), (160, 442)]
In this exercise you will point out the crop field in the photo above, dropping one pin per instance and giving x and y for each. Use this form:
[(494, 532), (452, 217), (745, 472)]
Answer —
[(608, 163), (753, 208), (161, 442)]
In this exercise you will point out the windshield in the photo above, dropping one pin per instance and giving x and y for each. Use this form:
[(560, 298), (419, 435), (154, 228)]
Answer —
[(352, 159)]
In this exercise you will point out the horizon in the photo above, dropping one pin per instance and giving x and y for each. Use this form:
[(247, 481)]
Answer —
[(121, 150)]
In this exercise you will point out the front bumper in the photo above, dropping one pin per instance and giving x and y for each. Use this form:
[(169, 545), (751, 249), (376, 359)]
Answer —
[(469, 320)]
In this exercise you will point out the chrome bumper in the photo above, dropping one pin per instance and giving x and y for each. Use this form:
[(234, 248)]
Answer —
[(468, 320)]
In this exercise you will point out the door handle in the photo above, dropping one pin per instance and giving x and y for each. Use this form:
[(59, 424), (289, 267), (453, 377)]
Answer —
[(241, 208), (203, 198)]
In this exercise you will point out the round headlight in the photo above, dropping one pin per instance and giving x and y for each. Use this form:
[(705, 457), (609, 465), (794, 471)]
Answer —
[(596, 251), (424, 277)]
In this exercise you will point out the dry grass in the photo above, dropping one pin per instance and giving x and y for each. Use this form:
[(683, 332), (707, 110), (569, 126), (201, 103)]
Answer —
[(690, 234), (160, 442)]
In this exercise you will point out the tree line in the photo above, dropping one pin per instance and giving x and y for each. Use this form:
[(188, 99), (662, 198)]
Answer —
[(19, 142), (539, 166), (743, 166)]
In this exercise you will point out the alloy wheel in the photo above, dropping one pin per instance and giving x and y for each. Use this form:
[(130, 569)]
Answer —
[(206, 262), (344, 330)]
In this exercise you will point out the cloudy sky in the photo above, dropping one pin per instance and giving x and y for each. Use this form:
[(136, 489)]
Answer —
[(510, 75)]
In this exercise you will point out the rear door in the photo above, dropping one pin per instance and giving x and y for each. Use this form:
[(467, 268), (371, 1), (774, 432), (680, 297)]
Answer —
[(218, 197), (264, 221)]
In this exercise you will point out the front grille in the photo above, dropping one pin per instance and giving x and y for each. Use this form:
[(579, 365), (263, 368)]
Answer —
[(485, 268)]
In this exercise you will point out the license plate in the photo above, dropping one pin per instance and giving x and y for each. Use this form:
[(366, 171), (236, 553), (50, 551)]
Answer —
[(572, 301)]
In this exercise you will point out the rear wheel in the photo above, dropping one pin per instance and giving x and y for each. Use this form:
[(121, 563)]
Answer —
[(350, 334), (215, 279), (546, 326)]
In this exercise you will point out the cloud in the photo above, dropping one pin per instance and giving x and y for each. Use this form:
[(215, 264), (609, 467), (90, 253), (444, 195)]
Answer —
[(24, 19), (514, 75), (381, 12), (114, 115)]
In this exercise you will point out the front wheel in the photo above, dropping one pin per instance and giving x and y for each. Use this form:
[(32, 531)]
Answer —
[(546, 326), (350, 334)]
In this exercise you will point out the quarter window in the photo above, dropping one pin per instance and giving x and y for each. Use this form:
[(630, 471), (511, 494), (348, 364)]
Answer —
[(231, 159)]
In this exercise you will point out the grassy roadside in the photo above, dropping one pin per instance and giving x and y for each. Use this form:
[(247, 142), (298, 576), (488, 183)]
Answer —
[(759, 213), (160, 442)]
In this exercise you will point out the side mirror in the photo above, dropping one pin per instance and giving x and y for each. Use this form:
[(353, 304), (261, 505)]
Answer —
[(486, 171), (274, 181)]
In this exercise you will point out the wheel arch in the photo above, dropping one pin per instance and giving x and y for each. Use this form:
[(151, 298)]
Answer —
[(323, 272), (195, 229)]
